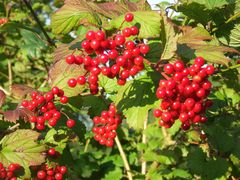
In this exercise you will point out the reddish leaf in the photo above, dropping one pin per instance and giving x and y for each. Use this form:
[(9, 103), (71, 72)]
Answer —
[(15, 115), (20, 91), (2, 97)]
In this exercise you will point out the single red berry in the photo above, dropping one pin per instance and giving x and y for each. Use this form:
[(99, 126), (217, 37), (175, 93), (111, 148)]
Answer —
[(95, 44), (49, 96), (178, 66), (100, 35), (70, 59), (41, 174), (58, 176), (70, 123), (119, 39), (144, 49), (134, 30), (199, 60), (52, 122), (157, 112), (90, 35), (52, 152), (210, 69), (55, 90), (166, 116), (126, 32), (129, 17), (121, 82), (138, 60), (63, 169), (72, 82), (168, 69), (64, 99), (24, 103), (81, 80)]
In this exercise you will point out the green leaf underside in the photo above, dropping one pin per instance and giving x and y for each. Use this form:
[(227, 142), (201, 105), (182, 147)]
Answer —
[(21, 147), (148, 21)]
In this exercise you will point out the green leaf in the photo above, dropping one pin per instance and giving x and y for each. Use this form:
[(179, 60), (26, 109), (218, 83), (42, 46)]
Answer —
[(149, 23), (155, 52), (109, 85), (72, 14), (169, 38), (21, 147), (58, 138), (60, 72), (135, 99), (210, 4)]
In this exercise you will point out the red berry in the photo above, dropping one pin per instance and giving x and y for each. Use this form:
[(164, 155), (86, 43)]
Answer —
[(52, 152), (55, 90), (70, 59), (127, 32), (52, 122), (95, 44), (63, 169), (129, 17), (64, 99), (119, 39), (144, 49), (70, 123), (100, 35), (72, 82), (58, 176), (210, 69), (134, 30), (168, 69), (90, 35), (157, 112), (41, 174), (81, 80), (199, 60)]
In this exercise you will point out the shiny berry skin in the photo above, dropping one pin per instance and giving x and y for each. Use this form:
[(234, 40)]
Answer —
[(201, 93), (134, 30), (130, 45), (58, 176), (24, 103), (138, 60), (72, 82), (144, 49), (52, 122), (63, 169), (95, 44), (157, 112), (168, 69), (199, 60), (81, 80), (90, 35), (52, 152), (100, 35), (178, 66), (64, 99), (185, 126), (55, 90), (86, 45), (166, 116), (119, 39), (121, 82), (126, 32), (109, 143), (70, 59), (210, 69), (70, 123), (41, 174), (129, 17)]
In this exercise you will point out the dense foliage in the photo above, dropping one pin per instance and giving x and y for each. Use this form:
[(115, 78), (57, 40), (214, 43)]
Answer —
[(115, 90)]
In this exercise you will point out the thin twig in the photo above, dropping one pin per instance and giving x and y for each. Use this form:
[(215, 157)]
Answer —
[(50, 41), (86, 145), (10, 76), (4, 90), (13, 127), (124, 158), (144, 141)]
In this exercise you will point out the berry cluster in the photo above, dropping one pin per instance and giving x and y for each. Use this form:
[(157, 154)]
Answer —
[(49, 173), (44, 108), (105, 126), (112, 56), (8, 173), (3, 21), (184, 94)]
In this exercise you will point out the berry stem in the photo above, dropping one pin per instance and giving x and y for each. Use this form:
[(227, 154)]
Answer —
[(50, 41), (165, 76), (124, 158)]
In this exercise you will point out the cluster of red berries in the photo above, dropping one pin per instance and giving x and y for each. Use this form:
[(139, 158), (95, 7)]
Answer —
[(105, 126), (184, 94), (49, 173), (112, 56), (3, 20), (8, 173), (44, 108)]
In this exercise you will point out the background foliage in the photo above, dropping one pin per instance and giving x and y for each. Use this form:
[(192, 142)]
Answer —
[(32, 57)]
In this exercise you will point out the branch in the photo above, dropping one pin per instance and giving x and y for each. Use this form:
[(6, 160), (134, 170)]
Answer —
[(124, 158), (10, 76), (144, 141), (39, 23)]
